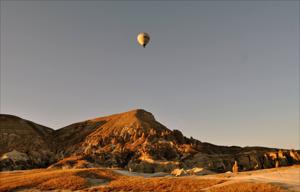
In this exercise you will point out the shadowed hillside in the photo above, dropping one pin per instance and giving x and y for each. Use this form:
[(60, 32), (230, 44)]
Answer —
[(24, 144)]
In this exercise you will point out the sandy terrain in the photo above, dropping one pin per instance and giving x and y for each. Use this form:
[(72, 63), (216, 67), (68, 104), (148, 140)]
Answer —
[(146, 175), (286, 177)]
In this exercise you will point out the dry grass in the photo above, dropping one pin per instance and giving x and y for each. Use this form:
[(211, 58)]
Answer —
[(81, 179), (71, 182), (248, 187), (76, 179), (162, 184), (46, 179)]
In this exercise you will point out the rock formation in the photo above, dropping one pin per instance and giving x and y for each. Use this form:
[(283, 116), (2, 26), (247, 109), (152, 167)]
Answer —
[(132, 140), (235, 167)]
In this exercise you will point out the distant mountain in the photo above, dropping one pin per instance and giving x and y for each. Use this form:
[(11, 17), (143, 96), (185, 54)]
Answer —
[(132, 140)]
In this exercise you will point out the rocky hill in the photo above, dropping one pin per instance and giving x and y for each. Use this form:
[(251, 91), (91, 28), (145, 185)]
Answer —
[(24, 144), (132, 140)]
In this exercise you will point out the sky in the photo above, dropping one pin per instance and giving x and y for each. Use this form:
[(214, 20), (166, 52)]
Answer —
[(224, 72)]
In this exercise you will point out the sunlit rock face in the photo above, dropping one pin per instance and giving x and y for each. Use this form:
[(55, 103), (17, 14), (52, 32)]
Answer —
[(133, 140)]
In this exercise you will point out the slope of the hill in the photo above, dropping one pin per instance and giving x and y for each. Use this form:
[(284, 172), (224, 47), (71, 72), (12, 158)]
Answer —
[(24, 144)]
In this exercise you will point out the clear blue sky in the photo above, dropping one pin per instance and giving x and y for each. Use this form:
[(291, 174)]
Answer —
[(225, 72)]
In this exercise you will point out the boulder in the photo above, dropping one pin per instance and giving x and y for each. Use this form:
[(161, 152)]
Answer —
[(179, 172)]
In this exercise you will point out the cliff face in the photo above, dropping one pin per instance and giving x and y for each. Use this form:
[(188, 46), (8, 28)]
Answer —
[(135, 141)]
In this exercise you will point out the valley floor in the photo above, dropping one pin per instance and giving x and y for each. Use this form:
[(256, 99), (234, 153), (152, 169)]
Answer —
[(106, 180)]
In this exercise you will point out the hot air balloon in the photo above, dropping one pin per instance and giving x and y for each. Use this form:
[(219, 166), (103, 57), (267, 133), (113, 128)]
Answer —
[(143, 39)]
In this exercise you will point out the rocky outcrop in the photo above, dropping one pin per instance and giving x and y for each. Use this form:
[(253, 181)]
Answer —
[(77, 162), (235, 167), (132, 140), (14, 160), (194, 171)]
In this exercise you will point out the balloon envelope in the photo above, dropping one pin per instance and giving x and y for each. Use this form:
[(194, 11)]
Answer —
[(143, 39)]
